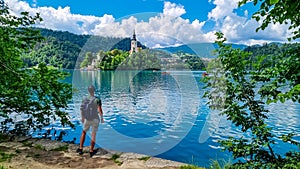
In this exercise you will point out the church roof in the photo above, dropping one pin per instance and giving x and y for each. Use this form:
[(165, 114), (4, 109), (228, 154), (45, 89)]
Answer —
[(134, 36)]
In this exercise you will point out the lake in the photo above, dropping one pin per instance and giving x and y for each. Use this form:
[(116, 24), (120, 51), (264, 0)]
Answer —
[(163, 114)]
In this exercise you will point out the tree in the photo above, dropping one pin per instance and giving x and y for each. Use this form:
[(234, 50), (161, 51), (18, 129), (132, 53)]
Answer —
[(88, 59), (53, 52), (241, 94), (287, 64), (278, 11), (234, 93), (30, 98)]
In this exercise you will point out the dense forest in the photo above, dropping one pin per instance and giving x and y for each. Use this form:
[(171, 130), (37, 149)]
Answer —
[(66, 50), (62, 54)]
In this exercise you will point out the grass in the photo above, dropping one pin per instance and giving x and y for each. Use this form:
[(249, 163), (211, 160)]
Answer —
[(61, 148), (215, 165), (27, 144), (115, 159), (3, 137), (190, 167), (38, 146), (5, 156), (2, 167), (33, 155), (115, 156), (219, 164), (18, 151), (145, 158)]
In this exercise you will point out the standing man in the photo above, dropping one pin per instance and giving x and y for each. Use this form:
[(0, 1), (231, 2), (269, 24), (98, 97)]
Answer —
[(90, 107)]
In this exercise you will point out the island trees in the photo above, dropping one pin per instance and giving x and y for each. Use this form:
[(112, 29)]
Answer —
[(30, 98), (241, 94)]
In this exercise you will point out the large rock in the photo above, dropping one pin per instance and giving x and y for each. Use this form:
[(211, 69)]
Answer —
[(49, 145), (160, 163)]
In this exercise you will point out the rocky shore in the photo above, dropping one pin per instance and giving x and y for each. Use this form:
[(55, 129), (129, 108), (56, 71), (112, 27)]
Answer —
[(33, 153)]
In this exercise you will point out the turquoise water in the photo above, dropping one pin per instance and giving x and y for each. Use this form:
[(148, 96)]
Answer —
[(164, 115)]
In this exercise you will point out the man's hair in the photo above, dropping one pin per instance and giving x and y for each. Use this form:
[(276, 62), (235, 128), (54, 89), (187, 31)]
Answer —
[(91, 89)]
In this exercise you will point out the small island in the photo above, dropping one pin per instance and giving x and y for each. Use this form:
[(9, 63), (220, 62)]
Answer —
[(139, 57)]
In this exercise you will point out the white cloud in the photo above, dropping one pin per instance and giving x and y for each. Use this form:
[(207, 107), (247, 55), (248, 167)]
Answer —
[(60, 18), (160, 30), (223, 8), (166, 29), (172, 9), (239, 29), (115, 29), (34, 3)]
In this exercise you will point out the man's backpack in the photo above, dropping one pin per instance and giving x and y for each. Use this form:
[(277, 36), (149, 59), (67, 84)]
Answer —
[(89, 108)]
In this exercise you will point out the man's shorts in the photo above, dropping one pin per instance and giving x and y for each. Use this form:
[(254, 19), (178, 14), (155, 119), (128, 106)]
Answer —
[(94, 123)]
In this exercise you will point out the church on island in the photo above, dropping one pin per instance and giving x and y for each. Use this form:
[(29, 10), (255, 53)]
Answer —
[(133, 49)]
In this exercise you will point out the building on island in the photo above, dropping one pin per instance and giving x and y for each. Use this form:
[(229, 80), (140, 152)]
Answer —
[(134, 47)]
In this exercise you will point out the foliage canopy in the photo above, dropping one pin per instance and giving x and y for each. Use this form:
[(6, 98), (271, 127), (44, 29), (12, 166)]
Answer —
[(278, 11), (242, 87), (30, 98)]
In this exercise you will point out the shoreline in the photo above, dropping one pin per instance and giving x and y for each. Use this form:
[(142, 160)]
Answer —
[(37, 153)]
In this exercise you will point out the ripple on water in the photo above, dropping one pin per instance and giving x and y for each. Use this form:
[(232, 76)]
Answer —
[(155, 105)]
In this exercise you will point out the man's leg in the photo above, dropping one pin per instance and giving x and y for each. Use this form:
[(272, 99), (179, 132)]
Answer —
[(93, 141), (86, 127), (82, 139)]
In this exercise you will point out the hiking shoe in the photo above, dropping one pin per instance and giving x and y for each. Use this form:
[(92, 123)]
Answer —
[(93, 153), (79, 151)]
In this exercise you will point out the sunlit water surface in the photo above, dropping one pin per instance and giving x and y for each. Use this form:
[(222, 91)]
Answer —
[(164, 114)]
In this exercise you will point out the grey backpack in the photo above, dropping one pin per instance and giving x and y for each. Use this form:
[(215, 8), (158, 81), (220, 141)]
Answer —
[(89, 108)]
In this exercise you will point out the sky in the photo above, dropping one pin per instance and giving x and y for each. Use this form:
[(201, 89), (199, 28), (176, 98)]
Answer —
[(157, 23)]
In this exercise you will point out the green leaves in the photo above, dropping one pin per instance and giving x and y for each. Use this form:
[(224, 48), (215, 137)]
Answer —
[(277, 78), (36, 96), (238, 91), (278, 11), (272, 2)]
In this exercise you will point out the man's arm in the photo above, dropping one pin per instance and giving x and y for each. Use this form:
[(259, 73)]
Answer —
[(81, 110), (101, 113), (82, 117)]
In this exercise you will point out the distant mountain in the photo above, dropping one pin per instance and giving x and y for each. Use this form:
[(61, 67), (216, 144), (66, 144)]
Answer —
[(205, 50)]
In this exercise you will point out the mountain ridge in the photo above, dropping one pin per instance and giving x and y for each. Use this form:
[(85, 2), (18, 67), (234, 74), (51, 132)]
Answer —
[(204, 50)]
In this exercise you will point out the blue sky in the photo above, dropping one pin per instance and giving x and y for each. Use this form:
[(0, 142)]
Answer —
[(197, 9), (158, 23)]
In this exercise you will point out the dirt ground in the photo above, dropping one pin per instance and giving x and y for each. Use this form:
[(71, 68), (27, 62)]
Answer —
[(46, 154)]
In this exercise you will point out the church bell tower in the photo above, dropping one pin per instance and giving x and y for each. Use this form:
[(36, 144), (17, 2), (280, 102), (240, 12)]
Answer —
[(134, 48)]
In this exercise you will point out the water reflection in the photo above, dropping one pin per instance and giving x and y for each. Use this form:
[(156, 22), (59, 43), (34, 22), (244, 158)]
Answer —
[(142, 106), (154, 113)]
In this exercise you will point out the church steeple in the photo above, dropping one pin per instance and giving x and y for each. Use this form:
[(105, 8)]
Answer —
[(134, 47), (134, 36)]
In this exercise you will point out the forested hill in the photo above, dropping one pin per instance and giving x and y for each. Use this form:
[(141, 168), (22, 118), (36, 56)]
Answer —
[(79, 40), (67, 50), (63, 49), (204, 50), (271, 48), (93, 43)]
